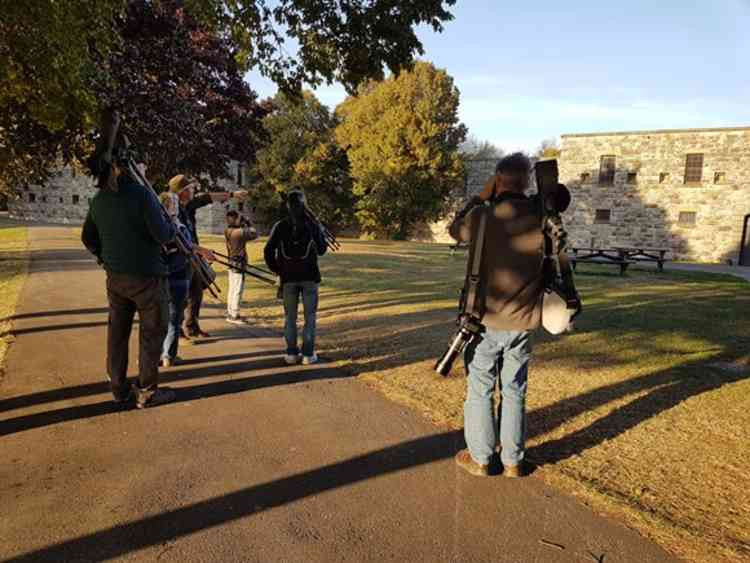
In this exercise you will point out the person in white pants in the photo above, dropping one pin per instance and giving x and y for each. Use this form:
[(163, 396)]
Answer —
[(237, 234)]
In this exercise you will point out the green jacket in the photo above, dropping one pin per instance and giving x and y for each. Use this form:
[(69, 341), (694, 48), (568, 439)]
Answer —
[(126, 229)]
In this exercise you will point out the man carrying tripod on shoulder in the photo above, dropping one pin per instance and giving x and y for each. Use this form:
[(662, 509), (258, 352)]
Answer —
[(508, 301), (186, 188), (125, 229)]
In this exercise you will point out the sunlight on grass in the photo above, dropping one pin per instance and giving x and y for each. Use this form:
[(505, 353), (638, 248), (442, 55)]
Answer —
[(13, 267), (636, 410)]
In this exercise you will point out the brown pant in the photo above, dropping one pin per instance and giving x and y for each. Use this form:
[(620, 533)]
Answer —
[(128, 294), (193, 305)]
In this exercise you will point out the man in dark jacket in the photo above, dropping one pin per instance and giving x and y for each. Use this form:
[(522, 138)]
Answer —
[(292, 252), (190, 203), (510, 302), (125, 229)]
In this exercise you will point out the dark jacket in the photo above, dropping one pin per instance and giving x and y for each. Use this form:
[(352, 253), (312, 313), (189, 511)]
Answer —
[(512, 281), (178, 264), (190, 208), (293, 253), (126, 230)]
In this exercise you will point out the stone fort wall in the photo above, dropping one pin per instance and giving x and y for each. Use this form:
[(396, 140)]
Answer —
[(658, 196), (629, 189), (65, 200)]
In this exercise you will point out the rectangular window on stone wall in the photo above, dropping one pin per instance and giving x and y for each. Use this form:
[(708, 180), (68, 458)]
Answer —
[(607, 170), (44, 199), (32, 198), (602, 216), (686, 218), (632, 177), (720, 177), (76, 199), (585, 177), (663, 177), (693, 168)]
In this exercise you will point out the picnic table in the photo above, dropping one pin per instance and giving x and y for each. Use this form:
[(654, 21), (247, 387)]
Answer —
[(644, 254), (621, 256)]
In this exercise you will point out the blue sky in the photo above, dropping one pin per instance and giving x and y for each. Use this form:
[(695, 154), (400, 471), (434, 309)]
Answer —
[(528, 73)]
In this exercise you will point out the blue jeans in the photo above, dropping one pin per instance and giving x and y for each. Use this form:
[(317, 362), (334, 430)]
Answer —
[(504, 353), (292, 290), (179, 285)]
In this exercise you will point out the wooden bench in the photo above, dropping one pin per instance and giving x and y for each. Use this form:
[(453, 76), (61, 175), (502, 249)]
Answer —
[(600, 256)]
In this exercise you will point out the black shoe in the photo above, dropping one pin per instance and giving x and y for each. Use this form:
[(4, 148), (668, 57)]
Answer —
[(152, 398)]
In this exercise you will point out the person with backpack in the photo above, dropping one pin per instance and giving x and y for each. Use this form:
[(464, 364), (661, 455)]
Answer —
[(292, 253)]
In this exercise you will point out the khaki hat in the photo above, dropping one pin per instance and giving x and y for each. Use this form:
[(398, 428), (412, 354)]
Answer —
[(179, 183)]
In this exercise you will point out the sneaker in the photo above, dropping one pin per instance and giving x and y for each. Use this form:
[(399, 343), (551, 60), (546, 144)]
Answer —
[(307, 360), (467, 463), (291, 359), (146, 399), (521, 470), (236, 320), (169, 362)]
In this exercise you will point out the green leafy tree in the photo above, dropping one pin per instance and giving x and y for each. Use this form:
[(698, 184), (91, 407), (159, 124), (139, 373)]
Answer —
[(302, 153), (53, 53), (403, 136)]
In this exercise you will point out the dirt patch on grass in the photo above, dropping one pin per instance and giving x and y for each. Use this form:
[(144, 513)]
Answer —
[(637, 411)]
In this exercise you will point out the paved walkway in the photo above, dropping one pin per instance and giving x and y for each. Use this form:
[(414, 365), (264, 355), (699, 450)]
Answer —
[(255, 461)]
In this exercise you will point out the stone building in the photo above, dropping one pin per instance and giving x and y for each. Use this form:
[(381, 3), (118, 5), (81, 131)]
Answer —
[(687, 191), (65, 199), (478, 171)]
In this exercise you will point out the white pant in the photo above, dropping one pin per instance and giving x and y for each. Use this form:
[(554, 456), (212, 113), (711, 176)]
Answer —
[(234, 294)]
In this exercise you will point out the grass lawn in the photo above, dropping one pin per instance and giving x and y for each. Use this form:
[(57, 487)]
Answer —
[(643, 411), (13, 266)]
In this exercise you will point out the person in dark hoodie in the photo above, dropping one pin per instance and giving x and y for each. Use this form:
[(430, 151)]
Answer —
[(292, 253)]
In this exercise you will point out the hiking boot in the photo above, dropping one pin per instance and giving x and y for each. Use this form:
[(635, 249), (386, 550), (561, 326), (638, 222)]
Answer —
[(151, 398), (236, 320), (520, 470), (291, 359), (466, 462), (307, 360)]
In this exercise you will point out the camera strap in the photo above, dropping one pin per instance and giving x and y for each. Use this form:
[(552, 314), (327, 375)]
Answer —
[(476, 264)]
